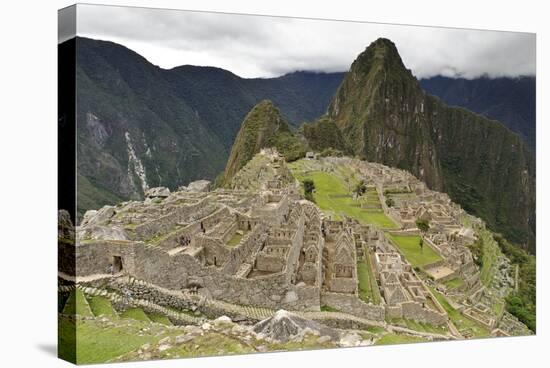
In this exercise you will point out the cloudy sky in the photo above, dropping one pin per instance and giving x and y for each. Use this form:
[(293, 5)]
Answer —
[(259, 46)]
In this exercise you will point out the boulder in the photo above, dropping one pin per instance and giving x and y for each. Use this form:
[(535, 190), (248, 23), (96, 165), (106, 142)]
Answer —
[(158, 192), (351, 339), (99, 217), (285, 326), (98, 232), (196, 186)]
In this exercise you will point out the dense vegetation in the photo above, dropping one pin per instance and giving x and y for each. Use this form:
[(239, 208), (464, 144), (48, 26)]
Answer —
[(522, 303), (324, 134), (508, 100)]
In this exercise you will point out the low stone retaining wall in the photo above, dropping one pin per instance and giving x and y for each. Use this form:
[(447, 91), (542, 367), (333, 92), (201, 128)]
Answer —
[(352, 305), (416, 312)]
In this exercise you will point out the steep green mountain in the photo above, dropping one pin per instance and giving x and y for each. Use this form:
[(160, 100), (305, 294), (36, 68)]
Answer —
[(386, 117), (263, 127), (142, 126), (323, 134), (512, 101)]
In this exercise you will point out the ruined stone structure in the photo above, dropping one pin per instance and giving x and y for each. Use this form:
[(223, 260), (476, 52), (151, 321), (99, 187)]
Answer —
[(257, 243), (262, 247)]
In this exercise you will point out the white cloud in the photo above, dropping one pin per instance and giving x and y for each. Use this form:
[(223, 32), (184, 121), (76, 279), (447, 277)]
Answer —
[(259, 46)]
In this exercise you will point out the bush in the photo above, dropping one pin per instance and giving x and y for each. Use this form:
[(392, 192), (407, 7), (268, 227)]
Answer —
[(360, 188), (309, 187)]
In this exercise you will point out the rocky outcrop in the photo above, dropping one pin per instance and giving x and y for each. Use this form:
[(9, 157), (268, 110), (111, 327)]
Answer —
[(285, 326), (197, 186), (158, 192)]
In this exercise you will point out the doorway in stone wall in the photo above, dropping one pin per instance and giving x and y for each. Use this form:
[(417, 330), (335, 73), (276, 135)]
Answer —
[(117, 264)]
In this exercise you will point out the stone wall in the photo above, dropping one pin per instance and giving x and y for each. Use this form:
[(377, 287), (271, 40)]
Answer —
[(415, 311), (165, 223), (351, 304), (172, 240), (179, 271), (248, 247), (95, 258)]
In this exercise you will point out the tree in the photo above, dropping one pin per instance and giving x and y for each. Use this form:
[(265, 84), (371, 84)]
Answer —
[(390, 202), (309, 187), (423, 225)]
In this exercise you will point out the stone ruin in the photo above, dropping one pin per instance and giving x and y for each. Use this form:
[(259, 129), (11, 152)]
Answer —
[(259, 244)]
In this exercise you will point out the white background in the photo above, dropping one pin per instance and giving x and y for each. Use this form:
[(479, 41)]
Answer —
[(28, 115)]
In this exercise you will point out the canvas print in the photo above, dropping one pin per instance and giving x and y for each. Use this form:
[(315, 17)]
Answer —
[(234, 184)]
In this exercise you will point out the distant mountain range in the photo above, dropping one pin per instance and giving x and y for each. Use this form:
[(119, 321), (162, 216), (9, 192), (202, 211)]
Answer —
[(508, 100), (142, 126)]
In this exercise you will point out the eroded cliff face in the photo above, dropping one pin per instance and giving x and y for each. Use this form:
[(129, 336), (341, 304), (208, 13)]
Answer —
[(388, 118)]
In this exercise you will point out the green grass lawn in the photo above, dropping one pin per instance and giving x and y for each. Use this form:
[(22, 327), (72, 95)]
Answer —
[(77, 304), (410, 247), (368, 289), (460, 321), (332, 196), (101, 306), (235, 239), (135, 313), (491, 251), (365, 286), (98, 342), (392, 338)]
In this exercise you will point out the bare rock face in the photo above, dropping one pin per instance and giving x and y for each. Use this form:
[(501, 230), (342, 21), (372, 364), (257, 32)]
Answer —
[(285, 326), (158, 192)]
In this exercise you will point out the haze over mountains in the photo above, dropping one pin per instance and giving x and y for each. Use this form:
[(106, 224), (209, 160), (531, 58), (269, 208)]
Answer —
[(142, 126)]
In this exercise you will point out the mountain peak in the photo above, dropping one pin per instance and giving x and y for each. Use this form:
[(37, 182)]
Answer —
[(381, 54), (264, 126), (377, 74)]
